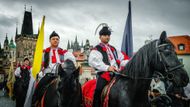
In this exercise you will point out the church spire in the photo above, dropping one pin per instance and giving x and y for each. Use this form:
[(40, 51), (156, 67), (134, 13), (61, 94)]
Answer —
[(6, 42), (16, 29), (0, 46), (82, 44), (16, 33), (25, 7), (76, 39), (68, 45), (31, 8), (27, 25), (72, 45), (39, 29)]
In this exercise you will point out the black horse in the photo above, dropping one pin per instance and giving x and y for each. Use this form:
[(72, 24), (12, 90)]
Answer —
[(64, 90), (21, 87), (131, 89)]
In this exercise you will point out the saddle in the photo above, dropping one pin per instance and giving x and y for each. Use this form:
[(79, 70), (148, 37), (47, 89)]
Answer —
[(105, 93), (88, 90), (41, 87)]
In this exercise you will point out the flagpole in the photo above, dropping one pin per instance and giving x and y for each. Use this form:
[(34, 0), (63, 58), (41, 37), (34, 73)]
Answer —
[(127, 42)]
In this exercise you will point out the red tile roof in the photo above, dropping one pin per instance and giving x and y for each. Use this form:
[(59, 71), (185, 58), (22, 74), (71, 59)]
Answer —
[(182, 39)]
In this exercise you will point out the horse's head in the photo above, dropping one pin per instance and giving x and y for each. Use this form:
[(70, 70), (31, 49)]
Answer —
[(167, 62), (66, 68), (69, 75)]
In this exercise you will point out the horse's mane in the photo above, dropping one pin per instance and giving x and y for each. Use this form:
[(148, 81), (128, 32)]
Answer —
[(140, 61)]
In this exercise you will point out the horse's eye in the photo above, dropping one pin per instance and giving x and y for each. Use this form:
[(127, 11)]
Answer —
[(168, 47)]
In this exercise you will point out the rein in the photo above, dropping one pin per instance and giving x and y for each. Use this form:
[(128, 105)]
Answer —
[(139, 78)]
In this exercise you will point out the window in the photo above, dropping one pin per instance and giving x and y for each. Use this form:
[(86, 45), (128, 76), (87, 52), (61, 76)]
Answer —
[(181, 47)]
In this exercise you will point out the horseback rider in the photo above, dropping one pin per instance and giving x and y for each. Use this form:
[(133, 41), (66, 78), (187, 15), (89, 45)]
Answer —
[(105, 59), (25, 66), (52, 56), (22, 75)]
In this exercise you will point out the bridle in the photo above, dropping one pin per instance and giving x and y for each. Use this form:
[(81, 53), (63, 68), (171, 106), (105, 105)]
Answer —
[(167, 69)]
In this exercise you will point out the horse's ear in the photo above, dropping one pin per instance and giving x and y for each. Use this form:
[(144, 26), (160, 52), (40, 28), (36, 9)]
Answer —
[(163, 37), (61, 70), (76, 72)]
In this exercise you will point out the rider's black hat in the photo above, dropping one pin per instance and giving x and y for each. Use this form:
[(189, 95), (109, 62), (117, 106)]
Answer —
[(105, 31), (53, 34), (26, 59)]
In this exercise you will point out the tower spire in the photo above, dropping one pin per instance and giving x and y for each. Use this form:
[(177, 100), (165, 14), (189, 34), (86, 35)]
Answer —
[(27, 25), (16, 28), (25, 7), (68, 45), (76, 39), (16, 33), (82, 44), (39, 29), (6, 42), (31, 8)]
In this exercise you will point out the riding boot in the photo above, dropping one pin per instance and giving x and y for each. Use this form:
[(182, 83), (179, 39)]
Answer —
[(101, 82), (97, 99)]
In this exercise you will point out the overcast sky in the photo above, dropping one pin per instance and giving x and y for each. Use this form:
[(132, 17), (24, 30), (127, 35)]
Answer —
[(81, 17)]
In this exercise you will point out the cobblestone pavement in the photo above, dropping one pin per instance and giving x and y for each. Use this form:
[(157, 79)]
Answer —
[(5, 101)]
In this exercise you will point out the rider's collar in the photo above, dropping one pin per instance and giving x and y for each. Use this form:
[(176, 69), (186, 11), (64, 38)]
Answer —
[(103, 44), (54, 48)]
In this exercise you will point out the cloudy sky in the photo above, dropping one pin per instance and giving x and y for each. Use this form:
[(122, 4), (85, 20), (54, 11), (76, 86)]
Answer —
[(81, 17)]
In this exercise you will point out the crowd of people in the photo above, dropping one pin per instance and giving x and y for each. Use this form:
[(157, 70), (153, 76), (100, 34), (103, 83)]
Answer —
[(165, 94)]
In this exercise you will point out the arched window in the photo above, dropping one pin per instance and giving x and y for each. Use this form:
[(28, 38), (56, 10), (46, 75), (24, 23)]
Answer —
[(181, 47)]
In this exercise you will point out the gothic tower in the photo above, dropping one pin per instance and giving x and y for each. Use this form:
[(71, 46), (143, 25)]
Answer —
[(26, 40)]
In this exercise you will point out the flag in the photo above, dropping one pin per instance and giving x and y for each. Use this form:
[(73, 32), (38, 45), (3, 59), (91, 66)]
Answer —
[(11, 80), (38, 51), (127, 42)]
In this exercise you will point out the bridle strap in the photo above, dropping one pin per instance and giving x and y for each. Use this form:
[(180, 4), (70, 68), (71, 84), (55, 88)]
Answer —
[(162, 59), (176, 67)]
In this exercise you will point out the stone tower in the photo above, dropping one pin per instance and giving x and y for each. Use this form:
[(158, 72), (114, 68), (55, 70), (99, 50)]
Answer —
[(26, 40)]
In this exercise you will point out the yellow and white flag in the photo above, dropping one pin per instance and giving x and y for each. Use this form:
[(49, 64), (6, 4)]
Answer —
[(38, 51)]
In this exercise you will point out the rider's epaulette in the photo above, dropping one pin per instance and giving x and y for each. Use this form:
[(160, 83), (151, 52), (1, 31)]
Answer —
[(47, 50), (61, 51)]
